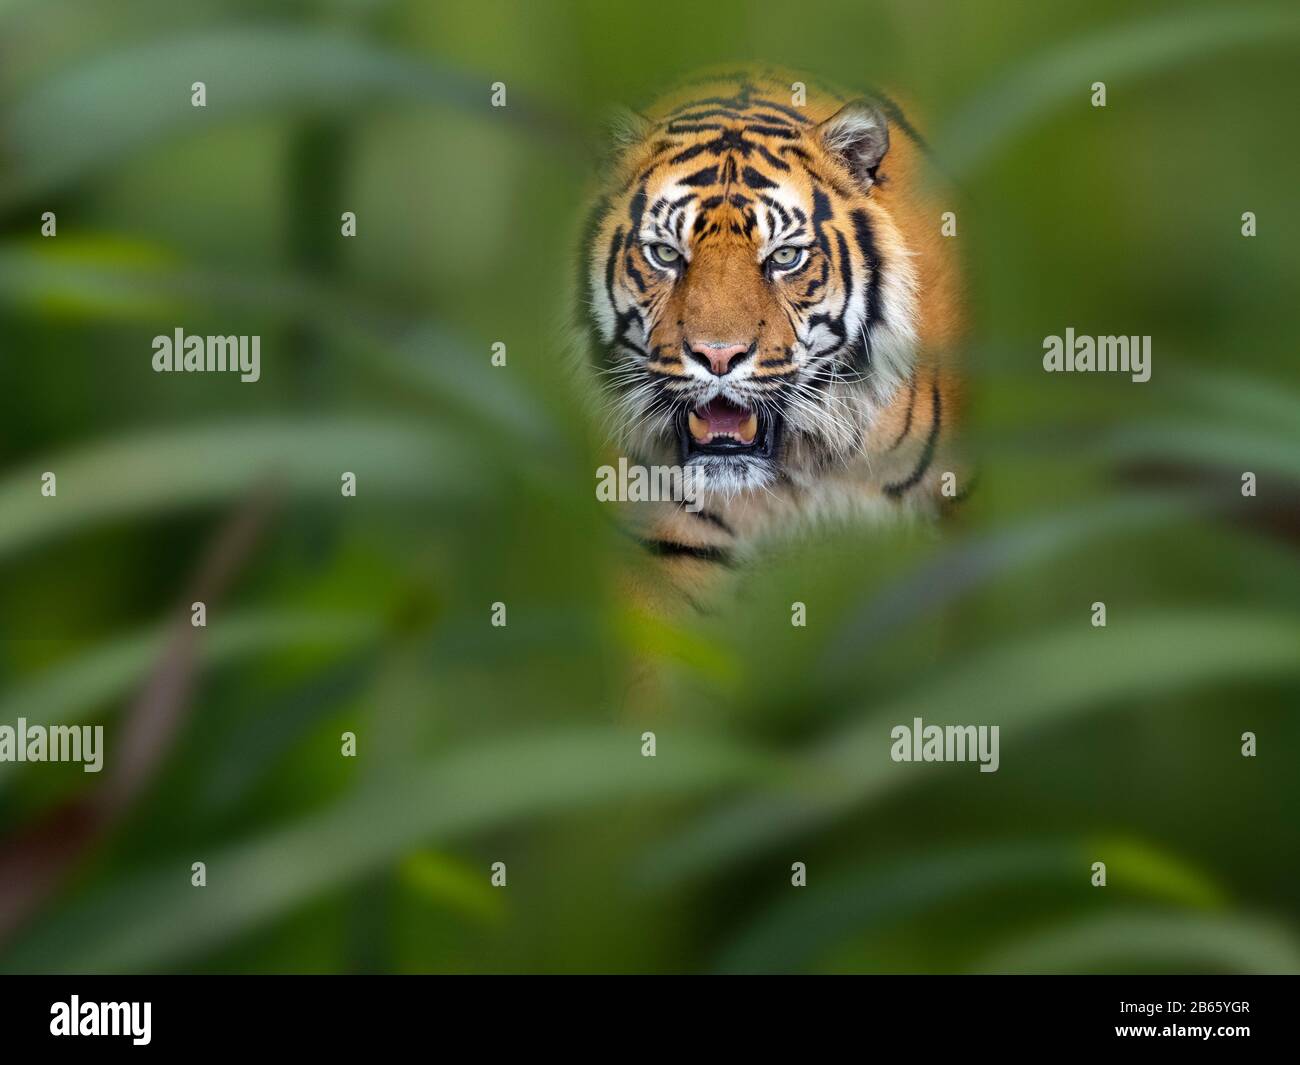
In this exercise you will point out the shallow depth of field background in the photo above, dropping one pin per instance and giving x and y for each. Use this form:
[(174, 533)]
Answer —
[(476, 485)]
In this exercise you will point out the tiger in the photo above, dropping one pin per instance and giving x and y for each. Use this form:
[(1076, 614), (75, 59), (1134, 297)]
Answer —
[(769, 303)]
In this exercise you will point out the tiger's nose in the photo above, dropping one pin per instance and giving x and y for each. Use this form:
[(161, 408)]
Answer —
[(717, 358)]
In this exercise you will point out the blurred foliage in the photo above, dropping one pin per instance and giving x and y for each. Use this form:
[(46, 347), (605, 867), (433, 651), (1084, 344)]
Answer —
[(475, 485)]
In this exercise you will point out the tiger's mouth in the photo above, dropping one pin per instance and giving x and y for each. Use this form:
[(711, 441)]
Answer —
[(723, 428)]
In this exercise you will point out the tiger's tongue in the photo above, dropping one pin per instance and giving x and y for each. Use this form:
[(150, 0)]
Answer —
[(720, 418)]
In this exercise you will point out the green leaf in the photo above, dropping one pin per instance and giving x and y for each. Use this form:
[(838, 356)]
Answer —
[(1027, 686), (446, 881), (71, 691), (1252, 399), (992, 120), (1131, 865), (796, 932), (1227, 447), (156, 918), (142, 96), (978, 561), (1152, 943), (107, 277), (169, 469)]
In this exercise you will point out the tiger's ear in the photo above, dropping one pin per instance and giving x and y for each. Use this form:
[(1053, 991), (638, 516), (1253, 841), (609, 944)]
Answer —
[(858, 135), (621, 130), (626, 128)]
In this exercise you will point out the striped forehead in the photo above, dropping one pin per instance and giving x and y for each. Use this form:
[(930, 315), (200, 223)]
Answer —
[(696, 199)]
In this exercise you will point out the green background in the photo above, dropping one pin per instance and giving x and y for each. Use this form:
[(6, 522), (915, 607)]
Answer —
[(476, 485)]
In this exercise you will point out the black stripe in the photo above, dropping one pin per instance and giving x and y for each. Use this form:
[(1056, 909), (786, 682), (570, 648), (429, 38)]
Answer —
[(634, 212), (611, 259), (695, 127), (862, 355), (774, 205), (712, 112), (713, 519), (672, 549), (690, 153), (907, 422), (631, 345), (707, 176), (621, 321), (741, 105), (784, 132), (731, 103), (771, 120), (780, 164), (866, 239), (816, 283), (821, 213), (798, 116), (756, 180), (586, 310), (927, 455), (846, 269)]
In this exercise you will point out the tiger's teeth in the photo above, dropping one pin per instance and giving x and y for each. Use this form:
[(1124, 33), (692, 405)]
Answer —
[(749, 429), (699, 428)]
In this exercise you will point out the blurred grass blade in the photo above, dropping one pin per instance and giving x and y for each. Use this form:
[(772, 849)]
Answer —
[(991, 122), (796, 932), (1152, 943), (101, 276), (168, 469), (1138, 867), (1252, 399), (1027, 686), (975, 563), (1223, 447), (420, 359), (141, 96), (106, 277), (72, 691), (445, 880), (157, 918)]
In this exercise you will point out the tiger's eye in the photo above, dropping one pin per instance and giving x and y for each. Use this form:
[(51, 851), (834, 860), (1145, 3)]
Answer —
[(786, 256), (664, 254)]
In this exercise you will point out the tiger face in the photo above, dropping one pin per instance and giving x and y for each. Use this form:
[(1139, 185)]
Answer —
[(751, 301)]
